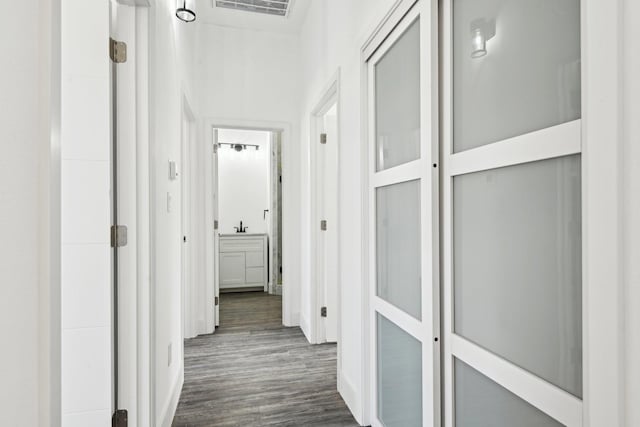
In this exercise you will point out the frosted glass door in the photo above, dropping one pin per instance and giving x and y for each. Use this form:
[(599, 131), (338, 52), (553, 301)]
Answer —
[(403, 281), (512, 212)]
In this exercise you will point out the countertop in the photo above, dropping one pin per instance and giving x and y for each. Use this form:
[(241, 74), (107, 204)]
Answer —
[(243, 234)]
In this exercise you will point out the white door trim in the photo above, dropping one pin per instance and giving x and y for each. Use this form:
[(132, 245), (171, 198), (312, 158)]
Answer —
[(330, 96), (290, 317)]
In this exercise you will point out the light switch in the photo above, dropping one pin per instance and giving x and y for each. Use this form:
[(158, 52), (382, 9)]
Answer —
[(173, 170)]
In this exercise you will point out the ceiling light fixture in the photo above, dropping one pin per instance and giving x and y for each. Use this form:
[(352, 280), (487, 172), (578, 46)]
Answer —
[(184, 14)]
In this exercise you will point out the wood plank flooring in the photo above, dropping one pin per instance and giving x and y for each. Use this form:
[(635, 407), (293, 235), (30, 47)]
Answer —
[(255, 372)]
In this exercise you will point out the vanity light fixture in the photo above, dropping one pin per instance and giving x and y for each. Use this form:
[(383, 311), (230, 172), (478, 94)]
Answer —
[(238, 147), (478, 43), (184, 14)]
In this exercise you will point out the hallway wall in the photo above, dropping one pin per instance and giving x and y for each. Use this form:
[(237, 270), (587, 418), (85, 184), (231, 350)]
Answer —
[(331, 39), (252, 76), (172, 46), (26, 46)]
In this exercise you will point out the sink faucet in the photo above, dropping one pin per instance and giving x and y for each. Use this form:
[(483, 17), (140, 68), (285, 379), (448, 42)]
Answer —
[(241, 229)]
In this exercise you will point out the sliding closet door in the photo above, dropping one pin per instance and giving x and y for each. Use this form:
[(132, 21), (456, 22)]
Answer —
[(403, 211), (511, 186)]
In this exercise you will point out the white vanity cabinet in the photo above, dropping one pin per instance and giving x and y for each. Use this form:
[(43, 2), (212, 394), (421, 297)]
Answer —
[(243, 261)]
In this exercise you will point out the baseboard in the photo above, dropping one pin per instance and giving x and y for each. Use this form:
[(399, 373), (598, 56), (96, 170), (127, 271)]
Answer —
[(169, 411), (304, 325), (350, 397)]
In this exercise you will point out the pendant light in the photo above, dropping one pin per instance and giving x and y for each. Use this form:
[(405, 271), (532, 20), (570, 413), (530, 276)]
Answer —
[(184, 14)]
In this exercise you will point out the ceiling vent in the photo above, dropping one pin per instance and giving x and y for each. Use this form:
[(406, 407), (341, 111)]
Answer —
[(269, 7)]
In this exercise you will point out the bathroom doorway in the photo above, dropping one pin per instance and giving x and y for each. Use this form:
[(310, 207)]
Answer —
[(248, 187)]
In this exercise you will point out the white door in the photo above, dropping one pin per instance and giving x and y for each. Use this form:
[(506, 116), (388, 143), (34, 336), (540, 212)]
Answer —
[(403, 221), (216, 233), (326, 218), (184, 175), (512, 213)]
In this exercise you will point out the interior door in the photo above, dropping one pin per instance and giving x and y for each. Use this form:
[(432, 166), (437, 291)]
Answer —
[(216, 233), (512, 213), (403, 221), (327, 207)]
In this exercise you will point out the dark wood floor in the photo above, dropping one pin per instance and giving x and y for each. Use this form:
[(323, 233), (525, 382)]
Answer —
[(255, 372)]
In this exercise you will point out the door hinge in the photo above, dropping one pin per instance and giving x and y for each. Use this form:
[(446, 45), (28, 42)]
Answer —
[(216, 301), (280, 178), (118, 236), (323, 225), (215, 148), (323, 138), (323, 311), (184, 239), (120, 418), (280, 270), (215, 224), (117, 51)]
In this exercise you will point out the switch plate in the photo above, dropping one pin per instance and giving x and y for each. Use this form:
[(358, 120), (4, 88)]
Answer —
[(173, 171)]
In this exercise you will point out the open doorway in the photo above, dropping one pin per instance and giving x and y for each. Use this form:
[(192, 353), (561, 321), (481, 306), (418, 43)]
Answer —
[(324, 218), (248, 209)]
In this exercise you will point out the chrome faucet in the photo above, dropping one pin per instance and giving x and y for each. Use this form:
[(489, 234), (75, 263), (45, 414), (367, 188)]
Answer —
[(241, 229)]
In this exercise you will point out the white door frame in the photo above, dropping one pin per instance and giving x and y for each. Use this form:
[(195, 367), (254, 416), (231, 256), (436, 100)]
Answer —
[(330, 97), (185, 173), (289, 317), (601, 149)]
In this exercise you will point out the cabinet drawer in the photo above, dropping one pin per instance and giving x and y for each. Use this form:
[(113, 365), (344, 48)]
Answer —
[(255, 259), (241, 245), (255, 275)]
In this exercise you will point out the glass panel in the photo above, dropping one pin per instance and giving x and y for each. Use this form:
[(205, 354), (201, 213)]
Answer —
[(397, 101), (516, 68), (517, 266), (398, 246), (480, 402), (399, 358)]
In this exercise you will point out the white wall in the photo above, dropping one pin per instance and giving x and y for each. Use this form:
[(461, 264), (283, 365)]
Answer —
[(251, 79), (331, 39), (86, 262), (631, 208), (24, 155), (243, 181), (171, 47)]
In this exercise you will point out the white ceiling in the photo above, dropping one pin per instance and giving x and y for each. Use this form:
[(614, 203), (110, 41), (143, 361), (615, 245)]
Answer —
[(208, 13)]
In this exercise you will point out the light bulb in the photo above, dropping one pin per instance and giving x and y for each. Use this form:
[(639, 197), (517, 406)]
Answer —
[(478, 44)]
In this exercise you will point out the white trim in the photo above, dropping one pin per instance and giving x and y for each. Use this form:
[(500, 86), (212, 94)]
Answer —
[(550, 399), (603, 325), (556, 141), (171, 405), (398, 174), (404, 321), (330, 97)]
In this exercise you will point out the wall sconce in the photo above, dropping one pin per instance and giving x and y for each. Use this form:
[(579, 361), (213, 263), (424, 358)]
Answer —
[(478, 43), (184, 14)]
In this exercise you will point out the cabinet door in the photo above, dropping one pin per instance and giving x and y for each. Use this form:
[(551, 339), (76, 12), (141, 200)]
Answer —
[(232, 269)]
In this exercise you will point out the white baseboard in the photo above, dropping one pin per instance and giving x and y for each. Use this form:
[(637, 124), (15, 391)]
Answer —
[(306, 329), (350, 397), (169, 411)]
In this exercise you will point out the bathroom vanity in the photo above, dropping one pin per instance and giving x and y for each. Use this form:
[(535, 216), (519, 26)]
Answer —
[(243, 261)]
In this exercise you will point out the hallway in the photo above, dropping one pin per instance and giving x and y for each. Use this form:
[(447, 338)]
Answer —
[(255, 372)]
